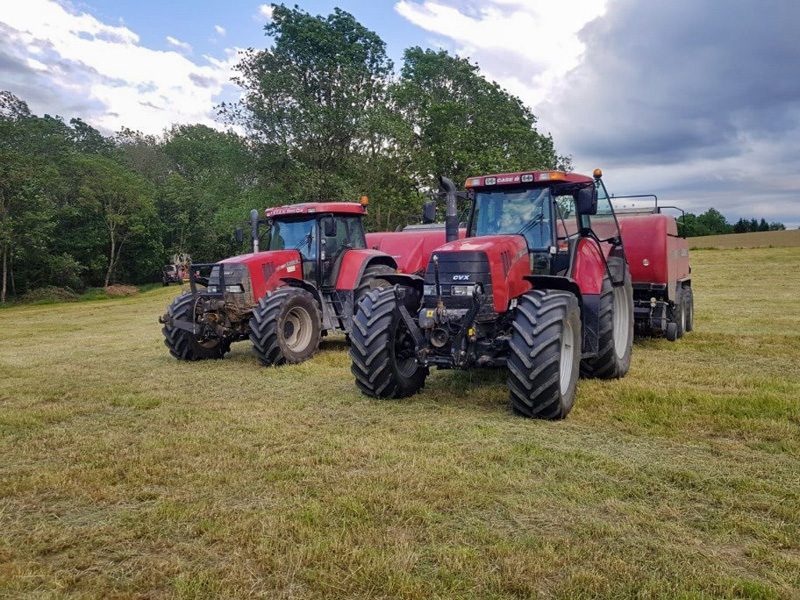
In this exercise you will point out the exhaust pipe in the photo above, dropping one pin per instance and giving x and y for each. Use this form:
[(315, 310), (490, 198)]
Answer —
[(254, 229), (451, 214)]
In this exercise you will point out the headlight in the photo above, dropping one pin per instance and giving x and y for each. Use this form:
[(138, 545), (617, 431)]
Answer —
[(429, 290), (212, 289), (235, 289), (462, 290)]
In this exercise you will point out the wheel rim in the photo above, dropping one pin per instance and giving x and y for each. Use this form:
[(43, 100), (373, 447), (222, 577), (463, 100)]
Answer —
[(404, 358), (683, 315), (621, 320), (297, 329), (567, 357)]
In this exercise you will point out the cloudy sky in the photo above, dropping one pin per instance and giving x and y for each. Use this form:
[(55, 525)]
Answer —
[(695, 100)]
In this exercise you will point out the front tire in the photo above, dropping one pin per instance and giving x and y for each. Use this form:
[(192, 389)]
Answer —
[(545, 354), (615, 336), (184, 345), (382, 349), (371, 280), (285, 327)]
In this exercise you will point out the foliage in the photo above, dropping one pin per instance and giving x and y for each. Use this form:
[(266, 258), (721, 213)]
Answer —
[(323, 116)]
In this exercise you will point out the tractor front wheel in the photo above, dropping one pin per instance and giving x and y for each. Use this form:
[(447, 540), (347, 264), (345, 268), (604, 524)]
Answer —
[(382, 349), (545, 354), (183, 344), (285, 327), (371, 280)]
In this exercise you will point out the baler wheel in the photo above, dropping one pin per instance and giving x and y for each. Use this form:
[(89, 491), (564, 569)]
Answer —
[(382, 349), (677, 313), (689, 295), (285, 327), (182, 344), (615, 338), (545, 354)]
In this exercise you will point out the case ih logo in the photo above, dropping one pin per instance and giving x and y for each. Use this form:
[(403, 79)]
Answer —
[(509, 179), (460, 277)]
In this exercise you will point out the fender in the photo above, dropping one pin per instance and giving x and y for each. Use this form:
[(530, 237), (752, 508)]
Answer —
[(355, 262), (588, 266), (413, 289), (554, 282)]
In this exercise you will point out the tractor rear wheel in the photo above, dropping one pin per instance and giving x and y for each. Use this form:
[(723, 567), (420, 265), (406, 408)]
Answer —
[(689, 295), (545, 354), (371, 280), (382, 349), (184, 345), (285, 327), (615, 336)]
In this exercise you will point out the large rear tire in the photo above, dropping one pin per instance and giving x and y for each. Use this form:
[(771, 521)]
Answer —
[(285, 327), (184, 345), (615, 336), (371, 280), (545, 354), (382, 349)]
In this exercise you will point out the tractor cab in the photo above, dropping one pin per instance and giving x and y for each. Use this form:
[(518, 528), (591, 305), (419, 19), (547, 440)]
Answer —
[(322, 235)]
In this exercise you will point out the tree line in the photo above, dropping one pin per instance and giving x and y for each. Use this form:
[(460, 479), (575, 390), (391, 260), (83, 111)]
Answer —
[(713, 222), (324, 115)]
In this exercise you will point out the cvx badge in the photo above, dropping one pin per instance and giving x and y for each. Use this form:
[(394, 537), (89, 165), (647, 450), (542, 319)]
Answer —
[(460, 277)]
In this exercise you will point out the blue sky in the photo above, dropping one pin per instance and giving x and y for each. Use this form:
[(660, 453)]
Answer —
[(694, 100)]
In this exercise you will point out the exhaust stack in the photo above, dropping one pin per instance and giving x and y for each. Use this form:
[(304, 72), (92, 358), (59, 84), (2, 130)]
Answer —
[(254, 229), (451, 214)]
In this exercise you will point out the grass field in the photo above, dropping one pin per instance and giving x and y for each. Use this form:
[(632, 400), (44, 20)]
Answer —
[(759, 239), (127, 474)]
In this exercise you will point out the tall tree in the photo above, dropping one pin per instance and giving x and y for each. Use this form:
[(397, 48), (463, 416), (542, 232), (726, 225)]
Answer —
[(464, 124), (312, 99), (121, 198)]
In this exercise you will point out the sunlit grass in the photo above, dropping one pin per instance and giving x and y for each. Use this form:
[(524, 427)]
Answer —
[(126, 473)]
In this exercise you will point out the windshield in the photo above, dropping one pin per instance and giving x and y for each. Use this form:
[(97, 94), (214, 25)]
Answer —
[(294, 235), (522, 212)]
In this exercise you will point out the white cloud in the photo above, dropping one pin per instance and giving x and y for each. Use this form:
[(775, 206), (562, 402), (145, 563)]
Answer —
[(66, 60), (179, 44), (265, 11), (526, 45), (220, 30)]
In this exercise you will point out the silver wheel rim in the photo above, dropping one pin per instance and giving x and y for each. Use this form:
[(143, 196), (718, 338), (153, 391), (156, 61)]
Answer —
[(684, 308), (297, 329), (567, 356), (621, 320)]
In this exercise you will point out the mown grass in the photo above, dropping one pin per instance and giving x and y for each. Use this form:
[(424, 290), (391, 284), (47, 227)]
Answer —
[(127, 474)]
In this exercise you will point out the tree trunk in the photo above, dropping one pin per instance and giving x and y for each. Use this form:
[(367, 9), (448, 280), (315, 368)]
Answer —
[(111, 258), (5, 274)]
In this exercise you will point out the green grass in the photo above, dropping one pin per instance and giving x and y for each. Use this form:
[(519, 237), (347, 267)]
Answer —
[(125, 473)]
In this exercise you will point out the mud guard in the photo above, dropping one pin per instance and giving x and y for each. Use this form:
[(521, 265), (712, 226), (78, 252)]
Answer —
[(412, 299)]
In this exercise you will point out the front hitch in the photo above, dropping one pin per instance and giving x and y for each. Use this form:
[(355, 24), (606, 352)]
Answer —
[(457, 352)]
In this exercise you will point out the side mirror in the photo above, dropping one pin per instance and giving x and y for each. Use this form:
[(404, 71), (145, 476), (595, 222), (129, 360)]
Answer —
[(238, 233), (586, 200), (429, 212), (329, 227)]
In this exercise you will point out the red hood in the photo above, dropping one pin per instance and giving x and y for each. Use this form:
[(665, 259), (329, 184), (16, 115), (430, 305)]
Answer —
[(268, 268)]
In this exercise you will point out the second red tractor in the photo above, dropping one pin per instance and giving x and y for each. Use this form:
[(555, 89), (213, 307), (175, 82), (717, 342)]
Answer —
[(303, 284), (540, 285)]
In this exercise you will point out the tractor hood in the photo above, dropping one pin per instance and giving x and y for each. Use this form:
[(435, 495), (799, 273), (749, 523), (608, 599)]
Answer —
[(267, 269), (506, 257)]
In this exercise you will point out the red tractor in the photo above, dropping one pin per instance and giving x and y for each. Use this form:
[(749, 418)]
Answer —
[(659, 261), (305, 284), (539, 285)]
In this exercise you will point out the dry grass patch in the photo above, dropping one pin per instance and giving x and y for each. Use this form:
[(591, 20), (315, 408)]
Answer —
[(128, 474)]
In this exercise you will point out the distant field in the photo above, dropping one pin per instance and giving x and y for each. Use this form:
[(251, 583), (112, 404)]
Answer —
[(127, 474), (760, 239)]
